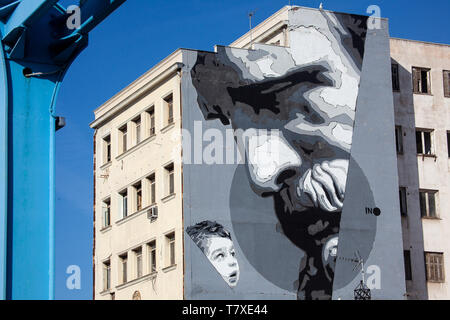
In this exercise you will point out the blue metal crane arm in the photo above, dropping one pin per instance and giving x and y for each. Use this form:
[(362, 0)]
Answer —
[(24, 14), (36, 49), (93, 12)]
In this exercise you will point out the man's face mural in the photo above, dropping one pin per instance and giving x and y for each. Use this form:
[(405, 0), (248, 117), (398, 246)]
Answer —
[(308, 93)]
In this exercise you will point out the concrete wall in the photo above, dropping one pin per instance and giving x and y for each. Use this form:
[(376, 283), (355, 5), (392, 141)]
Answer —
[(373, 151)]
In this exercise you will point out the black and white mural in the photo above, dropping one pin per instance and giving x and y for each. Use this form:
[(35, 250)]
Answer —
[(292, 114)]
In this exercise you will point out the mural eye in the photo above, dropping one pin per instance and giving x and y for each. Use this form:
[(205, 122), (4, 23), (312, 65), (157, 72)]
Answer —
[(233, 253), (219, 256)]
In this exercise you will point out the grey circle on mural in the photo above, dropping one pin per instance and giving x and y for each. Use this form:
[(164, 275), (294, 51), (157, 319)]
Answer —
[(261, 237)]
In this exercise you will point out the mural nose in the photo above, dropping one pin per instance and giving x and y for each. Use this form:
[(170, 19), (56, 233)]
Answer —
[(232, 262), (285, 175)]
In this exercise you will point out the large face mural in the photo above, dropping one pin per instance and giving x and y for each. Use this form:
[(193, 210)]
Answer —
[(307, 93)]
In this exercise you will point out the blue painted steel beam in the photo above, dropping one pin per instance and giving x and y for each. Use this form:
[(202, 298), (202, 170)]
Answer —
[(26, 12), (36, 51), (3, 172)]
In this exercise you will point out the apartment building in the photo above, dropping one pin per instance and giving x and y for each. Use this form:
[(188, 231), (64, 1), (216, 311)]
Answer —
[(138, 220), (421, 83), (142, 195)]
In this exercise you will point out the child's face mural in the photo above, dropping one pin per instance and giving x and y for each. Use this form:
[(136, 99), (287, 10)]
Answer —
[(215, 242), (220, 252)]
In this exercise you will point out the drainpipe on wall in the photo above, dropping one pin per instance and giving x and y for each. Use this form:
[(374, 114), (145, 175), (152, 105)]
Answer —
[(180, 74)]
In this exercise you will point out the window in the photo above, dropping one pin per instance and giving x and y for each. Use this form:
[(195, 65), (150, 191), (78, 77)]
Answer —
[(106, 213), (399, 139), (424, 142), (421, 80), (448, 143), (123, 134), (428, 203), (407, 261), (138, 191), (395, 77), (152, 189), (137, 125), (168, 102), (106, 275), (124, 203), (124, 267), (138, 257), (446, 83), (170, 242), (152, 256), (170, 179), (434, 262), (403, 203), (107, 149), (151, 119)]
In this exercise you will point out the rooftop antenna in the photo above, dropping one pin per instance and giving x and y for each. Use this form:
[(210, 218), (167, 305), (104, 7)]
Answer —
[(362, 292), (250, 17)]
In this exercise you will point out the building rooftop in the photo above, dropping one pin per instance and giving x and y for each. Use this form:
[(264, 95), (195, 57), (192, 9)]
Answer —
[(263, 30)]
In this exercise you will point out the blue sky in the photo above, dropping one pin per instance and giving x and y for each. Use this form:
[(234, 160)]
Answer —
[(131, 41)]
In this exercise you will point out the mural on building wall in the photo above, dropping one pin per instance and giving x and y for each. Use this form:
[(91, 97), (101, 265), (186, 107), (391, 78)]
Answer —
[(285, 206), (216, 243)]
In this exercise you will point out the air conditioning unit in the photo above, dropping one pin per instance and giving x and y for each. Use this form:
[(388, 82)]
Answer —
[(152, 213)]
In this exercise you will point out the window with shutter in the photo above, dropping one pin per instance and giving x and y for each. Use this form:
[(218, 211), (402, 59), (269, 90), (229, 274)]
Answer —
[(123, 203), (424, 142), (447, 83), (427, 199), (403, 203), (395, 77), (107, 275), (137, 125), (434, 262), (107, 149), (421, 80), (123, 139), (168, 102), (448, 143), (139, 269), (170, 249), (138, 193), (407, 261), (124, 267), (170, 179), (399, 139), (416, 80), (106, 206), (152, 256)]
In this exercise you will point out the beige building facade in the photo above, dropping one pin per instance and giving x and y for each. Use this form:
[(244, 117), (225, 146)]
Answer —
[(138, 209), (138, 220), (422, 104)]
